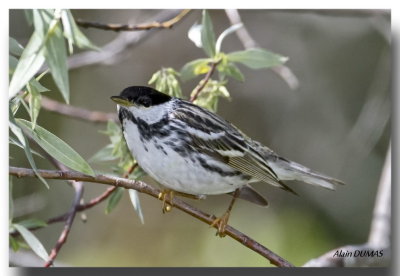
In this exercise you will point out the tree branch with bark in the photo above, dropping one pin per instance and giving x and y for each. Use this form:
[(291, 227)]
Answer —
[(149, 190)]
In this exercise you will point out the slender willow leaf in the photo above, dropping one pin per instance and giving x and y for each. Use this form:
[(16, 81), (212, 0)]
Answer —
[(10, 200), (47, 26), (13, 141), (37, 85), (134, 196), (257, 58), (105, 154), (73, 33), (15, 48), (56, 147), (32, 223), (24, 142), (225, 33), (29, 64), (207, 35), (35, 101), (56, 58), (29, 16), (114, 199), (14, 244), (32, 241)]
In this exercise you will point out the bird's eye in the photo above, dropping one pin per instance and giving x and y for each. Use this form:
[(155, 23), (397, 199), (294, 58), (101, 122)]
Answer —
[(145, 102)]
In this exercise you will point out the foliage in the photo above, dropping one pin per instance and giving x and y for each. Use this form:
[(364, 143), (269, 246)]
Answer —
[(46, 45), (203, 36), (53, 39)]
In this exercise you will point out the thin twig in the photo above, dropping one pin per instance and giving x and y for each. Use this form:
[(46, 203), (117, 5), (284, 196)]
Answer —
[(77, 112), (248, 42), (115, 50), (95, 201), (70, 216), (147, 189), (78, 186), (106, 193), (204, 81), (379, 235), (138, 27), (81, 207)]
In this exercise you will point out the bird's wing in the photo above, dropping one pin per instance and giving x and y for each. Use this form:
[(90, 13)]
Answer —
[(219, 139)]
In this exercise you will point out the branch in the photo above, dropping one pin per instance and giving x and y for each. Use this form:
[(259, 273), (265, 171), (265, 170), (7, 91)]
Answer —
[(139, 27), (78, 186), (68, 217), (379, 234), (379, 237), (114, 50), (149, 190), (203, 82), (248, 42), (77, 112)]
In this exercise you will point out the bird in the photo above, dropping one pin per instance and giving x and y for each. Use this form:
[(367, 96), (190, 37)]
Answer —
[(194, 152)]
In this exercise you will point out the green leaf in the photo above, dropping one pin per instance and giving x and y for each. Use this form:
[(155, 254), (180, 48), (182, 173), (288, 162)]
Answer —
[(73, 33), (10, 200), (14, 142), (207, 35), (32, 223), (137, 174), (231, 70), (32, 241), (15, 48), (35, 101), (42, 19), (29, 16), (194, 68), (194, 34), (56, 58), (29, 64), (24, 142), (225, 33), (210, 95), (165, 81), (47, 26), (134, 196), (14, 243), (257, 58), (38, 86), (105, 154), (57, 148), (114, 199), (12, 64)]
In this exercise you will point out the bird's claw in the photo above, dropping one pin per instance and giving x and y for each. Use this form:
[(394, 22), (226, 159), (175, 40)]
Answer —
[(221, 223), (163, 195)]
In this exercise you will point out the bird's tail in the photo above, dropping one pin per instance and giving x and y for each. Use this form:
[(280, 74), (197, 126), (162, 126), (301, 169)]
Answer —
[(289, 170)]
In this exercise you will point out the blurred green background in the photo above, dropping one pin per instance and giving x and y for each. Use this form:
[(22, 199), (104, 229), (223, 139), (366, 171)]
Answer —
[(337, 122)]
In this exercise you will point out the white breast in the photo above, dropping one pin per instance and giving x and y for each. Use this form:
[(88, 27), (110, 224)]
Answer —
[(174, 171)]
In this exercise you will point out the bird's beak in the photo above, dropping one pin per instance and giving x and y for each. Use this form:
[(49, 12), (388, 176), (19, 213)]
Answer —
[(121, 101)]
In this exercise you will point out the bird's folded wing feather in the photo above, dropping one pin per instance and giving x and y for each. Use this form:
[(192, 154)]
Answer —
[(221, 140)]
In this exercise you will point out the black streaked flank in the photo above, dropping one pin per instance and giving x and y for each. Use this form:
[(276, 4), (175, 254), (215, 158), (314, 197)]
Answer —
[(216, 169)]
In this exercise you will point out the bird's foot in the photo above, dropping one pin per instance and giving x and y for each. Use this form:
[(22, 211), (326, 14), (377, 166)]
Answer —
[(221, 223), (164, 195)]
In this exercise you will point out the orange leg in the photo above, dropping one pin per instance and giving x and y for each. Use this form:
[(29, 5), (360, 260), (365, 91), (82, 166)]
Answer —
[(221, 222)]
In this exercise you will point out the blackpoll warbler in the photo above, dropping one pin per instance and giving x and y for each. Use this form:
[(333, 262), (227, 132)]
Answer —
[(191, 150)]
